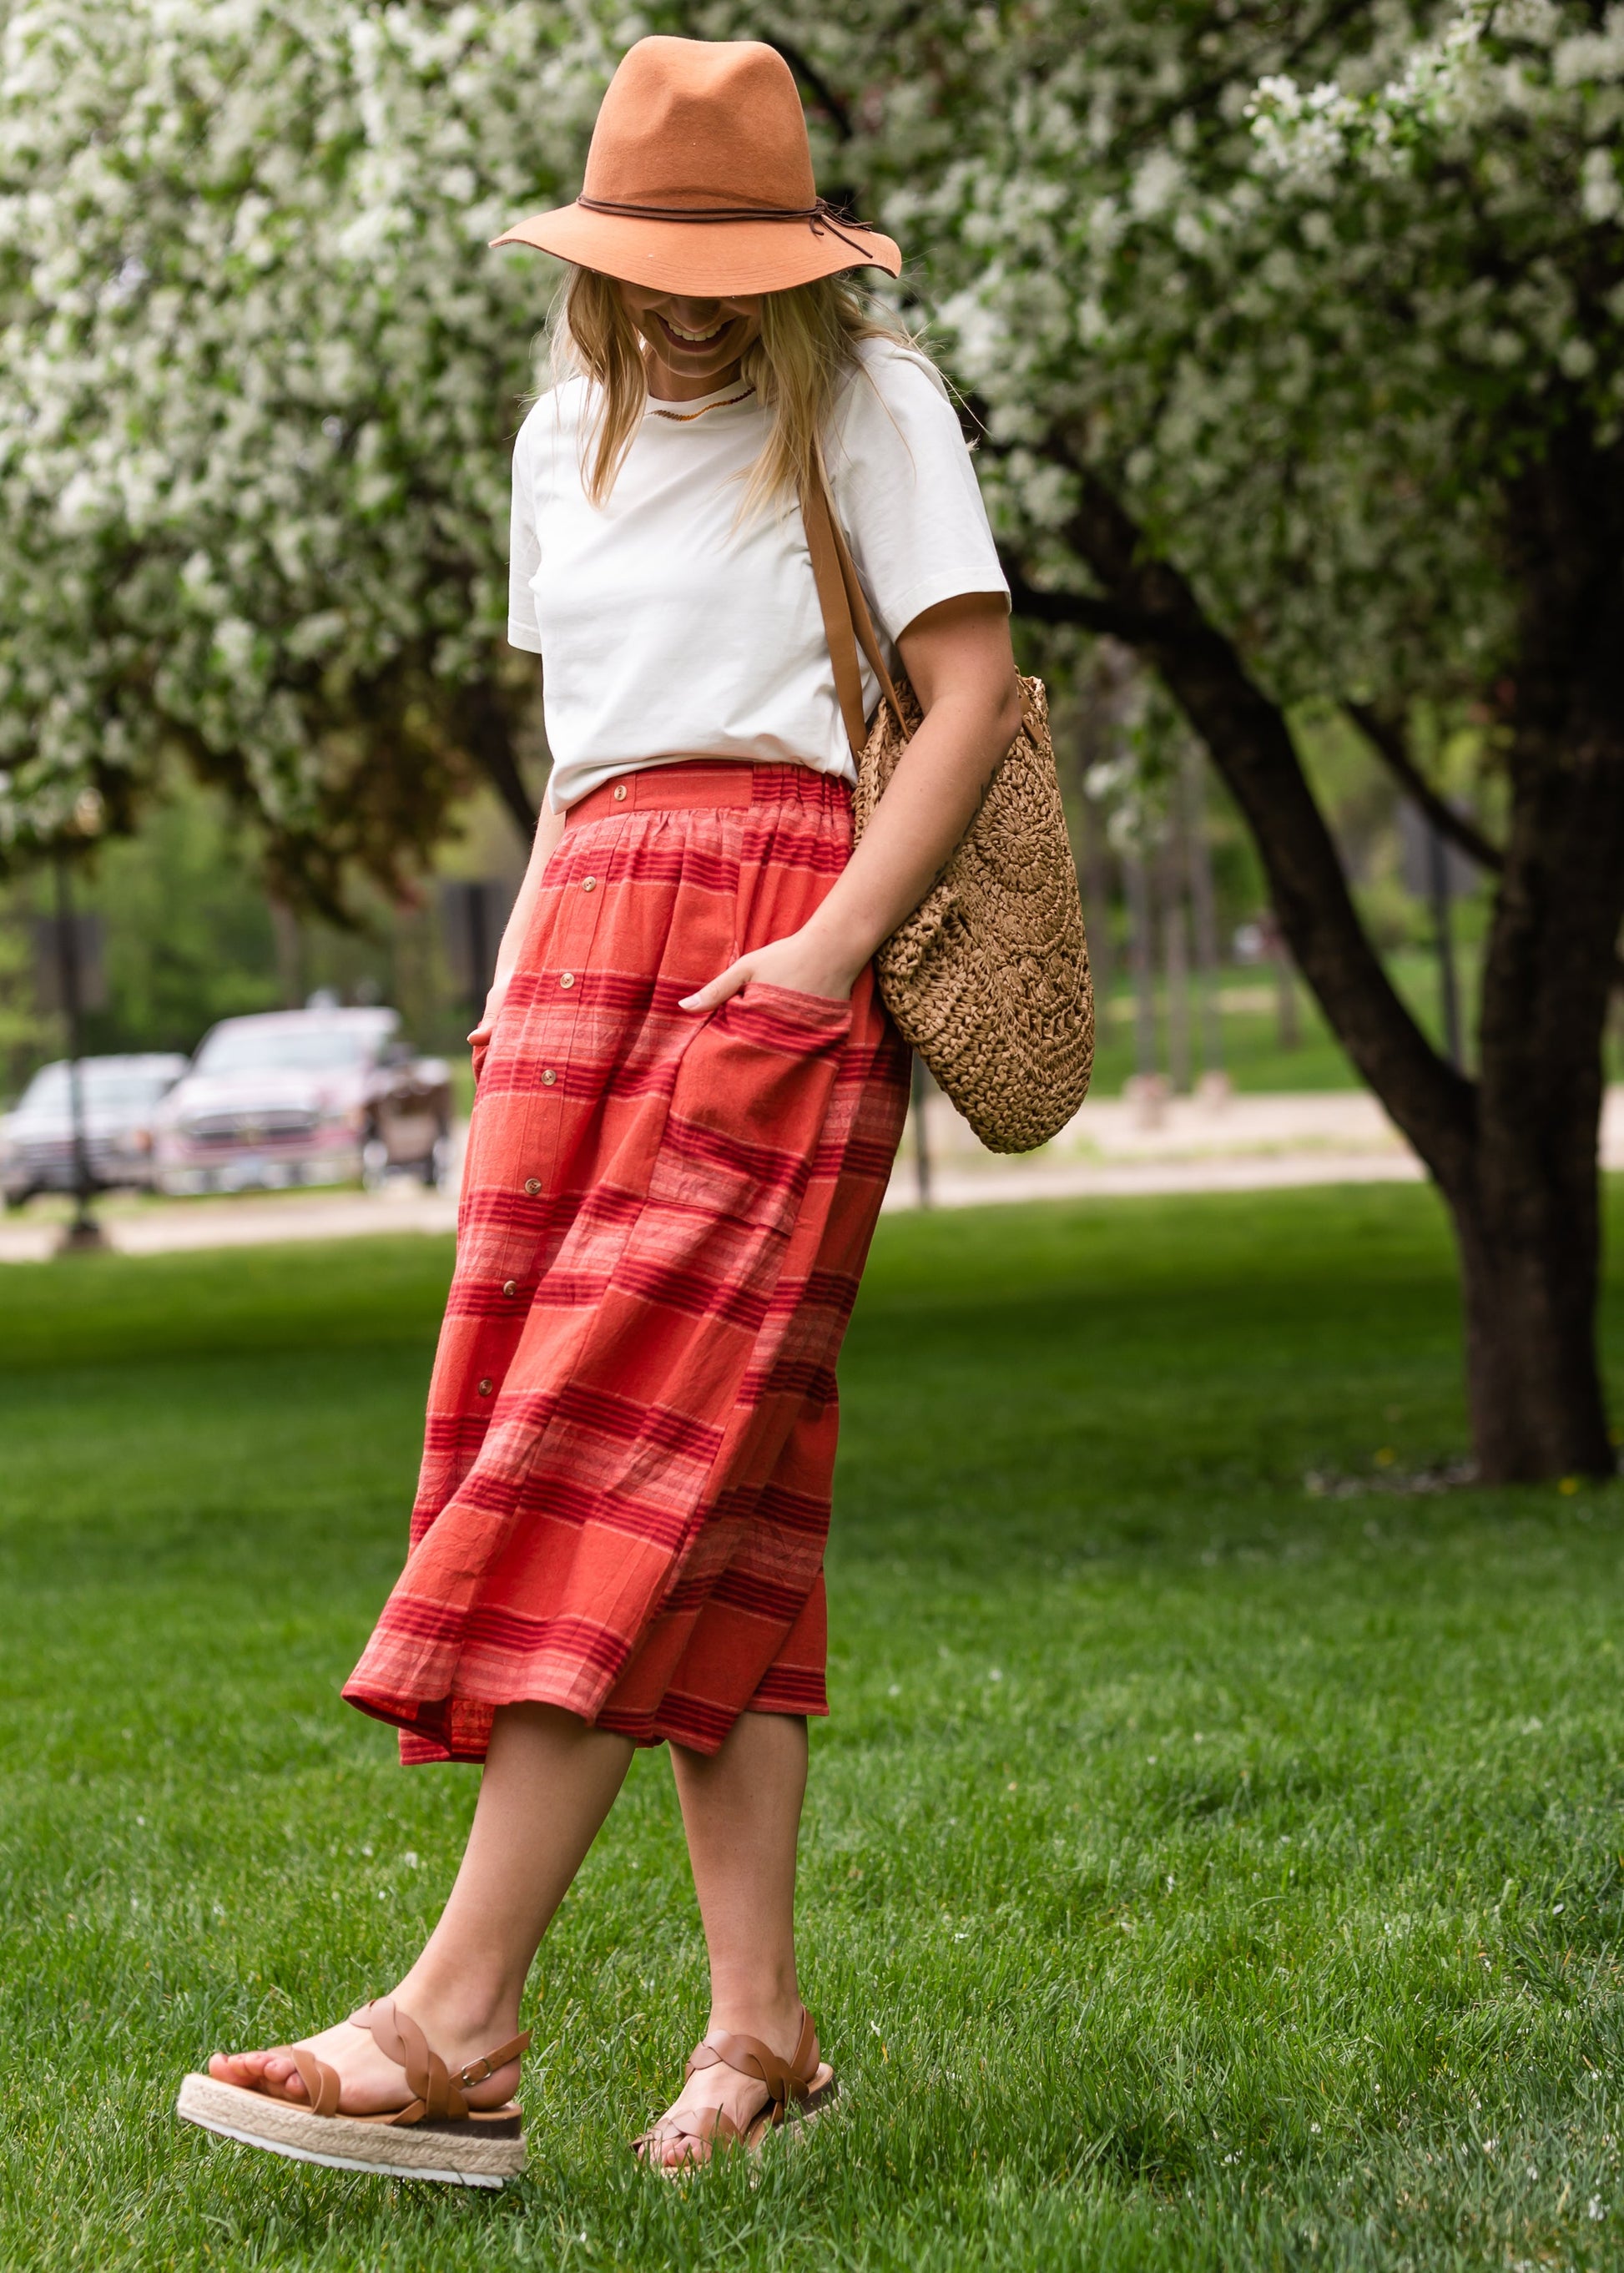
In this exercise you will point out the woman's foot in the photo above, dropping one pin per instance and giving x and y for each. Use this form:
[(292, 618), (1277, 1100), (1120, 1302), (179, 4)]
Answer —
[(371, 2082), (682, 2134)]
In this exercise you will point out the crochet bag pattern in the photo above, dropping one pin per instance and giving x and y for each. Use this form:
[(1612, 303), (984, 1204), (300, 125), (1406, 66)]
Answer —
[(988, 978)]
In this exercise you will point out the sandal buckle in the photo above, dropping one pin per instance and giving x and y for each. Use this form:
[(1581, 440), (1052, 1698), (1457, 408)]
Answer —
[(479, 2071)]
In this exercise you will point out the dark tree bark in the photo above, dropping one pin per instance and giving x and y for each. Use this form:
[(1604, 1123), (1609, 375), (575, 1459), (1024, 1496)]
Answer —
[(1386, 737), (1514, 1152), (487, 732), (1528, 1222)]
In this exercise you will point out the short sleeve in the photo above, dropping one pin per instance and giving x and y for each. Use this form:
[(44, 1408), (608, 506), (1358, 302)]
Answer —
[(905, 486), (524, 547)]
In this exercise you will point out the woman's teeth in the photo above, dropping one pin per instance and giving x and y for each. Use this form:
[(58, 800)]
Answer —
[(694, 339)]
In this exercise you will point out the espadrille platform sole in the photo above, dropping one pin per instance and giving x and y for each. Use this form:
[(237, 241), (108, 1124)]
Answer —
[(434, 2134), (482, 2150)]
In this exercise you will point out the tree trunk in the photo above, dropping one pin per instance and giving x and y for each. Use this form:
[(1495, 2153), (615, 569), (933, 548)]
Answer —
[(1141, 961), (1528, 1290), (1204, 906), (487, 734), (1176, 964), (1529, 1220), (1515, 1152), (1096, 865)]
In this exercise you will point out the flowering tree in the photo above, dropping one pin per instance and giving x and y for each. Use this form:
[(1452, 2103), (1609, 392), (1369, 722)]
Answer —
[(260, 374), (1315, 397), (1295, 335)]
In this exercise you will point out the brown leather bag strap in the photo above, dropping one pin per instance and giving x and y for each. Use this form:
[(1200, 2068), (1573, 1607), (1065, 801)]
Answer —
[(863, 622), (847, 624), (837, 610)]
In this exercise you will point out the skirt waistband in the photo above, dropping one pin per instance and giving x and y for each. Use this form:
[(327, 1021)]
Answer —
[(711, 782)]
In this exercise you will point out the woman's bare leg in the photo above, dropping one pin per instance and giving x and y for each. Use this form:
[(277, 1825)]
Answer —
[(742, 1811), (549, 1782)]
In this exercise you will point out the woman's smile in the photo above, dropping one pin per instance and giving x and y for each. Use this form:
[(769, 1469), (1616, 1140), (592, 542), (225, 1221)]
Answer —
[(693, 344), (682, 338)]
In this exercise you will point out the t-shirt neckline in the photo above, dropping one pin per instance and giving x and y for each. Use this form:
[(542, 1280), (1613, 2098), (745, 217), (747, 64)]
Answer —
[(740, 391)]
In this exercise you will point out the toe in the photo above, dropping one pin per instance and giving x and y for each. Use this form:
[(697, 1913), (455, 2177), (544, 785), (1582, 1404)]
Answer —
[(666, 2148), (252, 2071)]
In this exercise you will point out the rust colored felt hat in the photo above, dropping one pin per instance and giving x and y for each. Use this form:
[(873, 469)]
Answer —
[(699, 180)]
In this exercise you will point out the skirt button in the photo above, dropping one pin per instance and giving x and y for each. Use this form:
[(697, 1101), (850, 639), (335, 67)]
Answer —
[(510, 1286), (620, 793), (487, 1386), (589, 883), (566, 979), (532, 1185), (549, 1074)]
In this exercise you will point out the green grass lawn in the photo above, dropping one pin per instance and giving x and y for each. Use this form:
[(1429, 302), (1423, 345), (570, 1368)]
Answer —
[(1252, 1054), (1253, 1058), (1200, 1872)]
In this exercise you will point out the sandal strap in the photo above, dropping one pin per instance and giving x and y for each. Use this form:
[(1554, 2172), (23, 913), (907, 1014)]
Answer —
[(485, 2067), (785, 2080), (436, 2091), (322, 2083), (709, 2126), (808, 2057)]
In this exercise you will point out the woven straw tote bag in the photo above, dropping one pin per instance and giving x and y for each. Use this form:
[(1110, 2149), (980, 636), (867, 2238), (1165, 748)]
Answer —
[(988, 977)]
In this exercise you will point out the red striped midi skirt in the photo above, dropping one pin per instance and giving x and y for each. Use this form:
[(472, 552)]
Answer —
[(625, 1491)]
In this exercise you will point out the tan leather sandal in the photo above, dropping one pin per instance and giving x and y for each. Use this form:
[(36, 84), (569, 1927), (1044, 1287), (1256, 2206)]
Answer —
[(436, 2134), (799, 2090)]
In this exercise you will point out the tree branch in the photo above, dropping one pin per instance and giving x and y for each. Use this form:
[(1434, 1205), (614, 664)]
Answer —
[(1387, 740), (1085, 609), (816, 85), (1251, 743), (487, 736)]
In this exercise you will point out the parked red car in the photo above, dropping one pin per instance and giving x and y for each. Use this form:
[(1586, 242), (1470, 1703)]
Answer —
[(303, 1096)]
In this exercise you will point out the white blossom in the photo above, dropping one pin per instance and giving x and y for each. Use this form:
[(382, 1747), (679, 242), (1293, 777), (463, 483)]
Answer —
[(258, 373)]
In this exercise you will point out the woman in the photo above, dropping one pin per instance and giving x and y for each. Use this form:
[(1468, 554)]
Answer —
[(689, 1099)]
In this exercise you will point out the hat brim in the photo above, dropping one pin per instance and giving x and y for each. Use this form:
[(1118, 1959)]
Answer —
[(710, 260)]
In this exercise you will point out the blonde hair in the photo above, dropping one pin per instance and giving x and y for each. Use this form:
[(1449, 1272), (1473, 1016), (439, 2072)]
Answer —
[(806, 345)]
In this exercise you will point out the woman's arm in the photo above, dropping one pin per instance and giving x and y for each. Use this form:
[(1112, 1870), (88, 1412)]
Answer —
[(962, 665), (549, 829)]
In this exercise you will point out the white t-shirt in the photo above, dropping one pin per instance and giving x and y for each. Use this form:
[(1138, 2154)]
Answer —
[(667, 628)]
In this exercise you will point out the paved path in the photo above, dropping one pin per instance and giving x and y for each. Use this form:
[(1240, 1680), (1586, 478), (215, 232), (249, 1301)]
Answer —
[(154, 1226), (956, 1185), (1115, 1148)]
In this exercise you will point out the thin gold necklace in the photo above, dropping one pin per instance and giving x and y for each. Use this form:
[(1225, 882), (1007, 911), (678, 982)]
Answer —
[(682, 418)]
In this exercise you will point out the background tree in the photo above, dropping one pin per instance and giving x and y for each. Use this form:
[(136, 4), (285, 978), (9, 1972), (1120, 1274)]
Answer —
[(261, 379), (1315, 399)]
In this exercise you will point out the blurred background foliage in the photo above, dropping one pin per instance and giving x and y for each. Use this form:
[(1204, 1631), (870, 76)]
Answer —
[(188, 933)]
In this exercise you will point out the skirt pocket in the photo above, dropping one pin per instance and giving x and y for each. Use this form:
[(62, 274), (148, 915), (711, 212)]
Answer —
[(748, 1105)]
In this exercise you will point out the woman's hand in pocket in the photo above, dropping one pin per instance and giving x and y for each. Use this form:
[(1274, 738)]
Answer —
[(479, 1040), (806, 962)]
